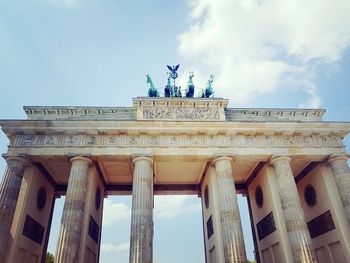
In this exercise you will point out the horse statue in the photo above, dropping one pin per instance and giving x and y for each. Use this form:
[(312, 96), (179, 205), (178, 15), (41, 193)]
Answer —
[(177, 92), (152, 90), (190, 86), (209, 89), (168, 90)]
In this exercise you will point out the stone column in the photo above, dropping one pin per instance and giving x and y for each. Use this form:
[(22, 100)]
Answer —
[(9, 191), (231, 228), (141, 238), (73, 212), (298, 233), (341, 172)]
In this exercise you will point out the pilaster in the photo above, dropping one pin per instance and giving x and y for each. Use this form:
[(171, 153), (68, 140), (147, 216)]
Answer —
[(9, 191)]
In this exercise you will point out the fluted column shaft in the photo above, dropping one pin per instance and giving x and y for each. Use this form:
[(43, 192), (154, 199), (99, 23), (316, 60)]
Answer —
[(9, 191), (73, 212), (141, 237), (298, 234), (232, 234), (341, 172)]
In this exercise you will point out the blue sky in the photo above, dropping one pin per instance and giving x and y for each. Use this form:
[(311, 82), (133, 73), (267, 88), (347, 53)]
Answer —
[(88, 52)]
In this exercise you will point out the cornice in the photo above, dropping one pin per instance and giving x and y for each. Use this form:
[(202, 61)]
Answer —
[(31, 127)]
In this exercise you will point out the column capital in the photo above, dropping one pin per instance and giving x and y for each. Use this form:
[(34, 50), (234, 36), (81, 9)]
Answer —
[(81, 158), (146, 158), (336, 157), (276, 158), (222, 158), (20, 159)]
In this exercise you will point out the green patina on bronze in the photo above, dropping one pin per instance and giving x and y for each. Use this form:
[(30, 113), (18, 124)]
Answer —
[(171, 90), (190, 86), (152, 90), (209, 91)]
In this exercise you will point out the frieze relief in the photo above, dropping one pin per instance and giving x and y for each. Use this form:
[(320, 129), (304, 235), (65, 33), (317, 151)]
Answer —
[(175, 141), (177, 113), (27, 140)]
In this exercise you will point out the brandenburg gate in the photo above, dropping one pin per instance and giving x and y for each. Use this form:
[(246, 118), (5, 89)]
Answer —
[(289, 163)]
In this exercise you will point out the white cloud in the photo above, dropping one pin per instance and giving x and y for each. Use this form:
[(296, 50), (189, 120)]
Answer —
[(164, 207), (199, 80), (253, 46), (112, 212), (122, 247), (172, 206), (314, 100)]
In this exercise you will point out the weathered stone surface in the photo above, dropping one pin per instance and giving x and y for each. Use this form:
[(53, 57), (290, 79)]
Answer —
[(182, 135), (73, 212), (181, 113), (299, 236), (141, 238), (9, 191), (232, 233), (81, 112), (341, 172), (174, 109), (176, 140), (184, 109), (274, 115)]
